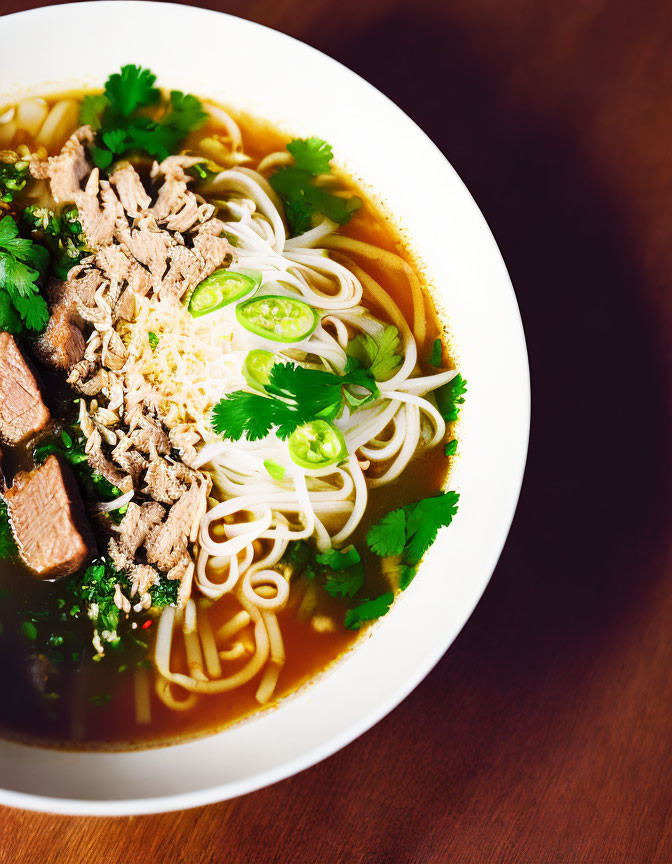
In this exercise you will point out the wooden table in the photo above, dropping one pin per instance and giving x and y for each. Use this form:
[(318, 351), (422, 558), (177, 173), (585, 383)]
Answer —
[(543, 737)]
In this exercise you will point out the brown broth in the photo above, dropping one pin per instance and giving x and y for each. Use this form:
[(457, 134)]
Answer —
[(75, 720)]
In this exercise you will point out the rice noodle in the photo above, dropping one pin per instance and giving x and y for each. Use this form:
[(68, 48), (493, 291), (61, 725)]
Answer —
[(244, 528)]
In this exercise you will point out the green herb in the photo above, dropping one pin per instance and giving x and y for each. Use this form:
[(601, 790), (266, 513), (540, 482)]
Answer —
[(153, 340), (347, 575), (29, 630), (55, 640), (451, 448), (301, 196), (341, 569), (164, 593), (13, 178), (411, 530), (301, 558), (436, 356), (379, 355), (103, 699), (297, 396), (8, 548), (120, 125), (406, 576), (388, 536), (449, 397), (61, 233), (22, 265), (276, 471), (369, 610)]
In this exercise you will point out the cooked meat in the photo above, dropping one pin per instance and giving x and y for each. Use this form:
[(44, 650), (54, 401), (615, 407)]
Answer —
[(150, 247), (130, 190), (184, 439), (98, 218), (129, 460), (139, 279), (22, 411), (67, 170), (47, 516), (95, 384), (133, 530), (184, 273), (62, 343), (100, 463), (150, 437), (162, 481), (113, 263), (81, 371), (81, 286), (125, 306), (186, 216), (142, 577), (167, 543), (213, 249)]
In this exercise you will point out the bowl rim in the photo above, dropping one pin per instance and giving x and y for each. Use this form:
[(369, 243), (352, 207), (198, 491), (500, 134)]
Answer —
[(230, 789)]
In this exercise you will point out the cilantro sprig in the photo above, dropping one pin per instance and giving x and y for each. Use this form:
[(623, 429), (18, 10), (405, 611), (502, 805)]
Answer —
[(409, 531), (379, 354), (450, 397), (295, 395), (23, 263), (121, 126), (369, 610), (302, 197)]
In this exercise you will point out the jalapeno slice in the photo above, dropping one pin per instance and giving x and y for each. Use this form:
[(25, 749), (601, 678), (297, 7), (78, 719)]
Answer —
[(220, 289), (278, 318), (257, 368), (317, 444)]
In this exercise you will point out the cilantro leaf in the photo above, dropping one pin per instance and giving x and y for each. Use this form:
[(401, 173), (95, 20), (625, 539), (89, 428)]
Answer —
[(130, 89), (22, 264), (345, 583), (33, 311), (301, 196), (388, 536), (406, 576), (9, 319), (379, 355), (242, 413), (423, 521), (311, 154), (339, 559), (153, 340), (7, 544), (119, 127), (451, 448), (347, 571), (297, 395), (184, 115), (411, 530), (369, 610), (436, 356), (449, 397), (91, 109), (347, 575)]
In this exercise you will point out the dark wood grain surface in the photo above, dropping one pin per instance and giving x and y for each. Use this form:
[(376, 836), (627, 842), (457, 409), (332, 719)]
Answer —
[(544, 735)]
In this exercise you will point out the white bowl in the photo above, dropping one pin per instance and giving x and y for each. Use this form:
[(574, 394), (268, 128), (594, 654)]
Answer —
[(269, 74)]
